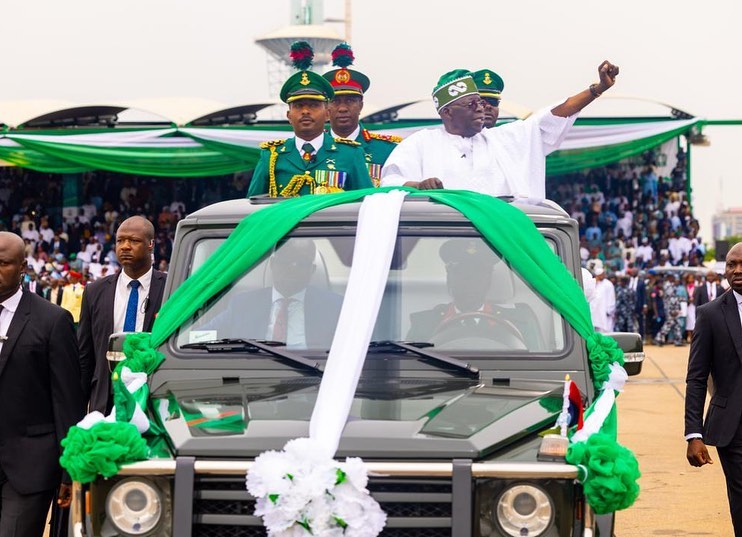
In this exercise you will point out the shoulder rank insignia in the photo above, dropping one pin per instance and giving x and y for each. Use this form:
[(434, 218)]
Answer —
[(271, 143), (368, 135), (346, 141)]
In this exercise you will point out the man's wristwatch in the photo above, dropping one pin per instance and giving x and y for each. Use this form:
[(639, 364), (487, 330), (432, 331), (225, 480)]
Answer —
[(595, 91)]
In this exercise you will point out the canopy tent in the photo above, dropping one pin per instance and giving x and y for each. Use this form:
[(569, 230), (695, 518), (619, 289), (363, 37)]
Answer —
[(208, 151)]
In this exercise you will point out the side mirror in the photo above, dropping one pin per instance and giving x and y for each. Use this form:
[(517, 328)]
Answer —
[(115, 352), (633, 350)]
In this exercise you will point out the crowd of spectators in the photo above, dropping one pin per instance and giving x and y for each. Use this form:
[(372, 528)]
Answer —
[(81, 238), (640, 243), (632, 221)]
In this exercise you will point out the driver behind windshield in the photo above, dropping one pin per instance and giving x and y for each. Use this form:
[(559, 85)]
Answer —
[(470, 314)]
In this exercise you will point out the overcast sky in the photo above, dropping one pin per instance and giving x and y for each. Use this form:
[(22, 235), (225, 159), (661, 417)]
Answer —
[(680, 52)]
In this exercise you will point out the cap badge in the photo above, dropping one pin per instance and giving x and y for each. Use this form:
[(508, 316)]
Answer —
[(304, 79), (342, 76), (487, 78)]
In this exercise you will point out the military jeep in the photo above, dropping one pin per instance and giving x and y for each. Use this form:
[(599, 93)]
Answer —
[(465, 371)]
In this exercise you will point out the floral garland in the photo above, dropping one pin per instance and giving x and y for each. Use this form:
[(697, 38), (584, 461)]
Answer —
[(300, 491)]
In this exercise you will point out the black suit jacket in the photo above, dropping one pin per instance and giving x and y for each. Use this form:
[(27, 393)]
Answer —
[(641, 296), (701, 296), (716, 350), (40, 393), (249, 316), (96, 325)]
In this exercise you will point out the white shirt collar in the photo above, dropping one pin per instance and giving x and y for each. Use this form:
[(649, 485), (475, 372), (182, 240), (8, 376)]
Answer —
[(299, 297), (737, 297), (352, 136), (316, 142), (11, 304), (144, 280)]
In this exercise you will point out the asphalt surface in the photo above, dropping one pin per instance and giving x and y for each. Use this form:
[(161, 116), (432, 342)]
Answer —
[(676, 499)]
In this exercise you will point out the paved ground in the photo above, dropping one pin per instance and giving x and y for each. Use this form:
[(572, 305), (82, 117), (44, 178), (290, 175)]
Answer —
[(676, 499)]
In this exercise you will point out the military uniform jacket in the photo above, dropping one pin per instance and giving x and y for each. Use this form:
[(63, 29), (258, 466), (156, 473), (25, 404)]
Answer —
[(376, 148), (281, 171)]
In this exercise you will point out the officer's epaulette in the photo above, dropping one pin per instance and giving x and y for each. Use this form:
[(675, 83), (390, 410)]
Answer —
[(368, 135), (346, 141), (271, 143)]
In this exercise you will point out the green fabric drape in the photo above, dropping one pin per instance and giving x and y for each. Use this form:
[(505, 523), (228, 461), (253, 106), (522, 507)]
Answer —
[(566, 161), (161, 161), (505, 227), (39, 161), (608, 470)]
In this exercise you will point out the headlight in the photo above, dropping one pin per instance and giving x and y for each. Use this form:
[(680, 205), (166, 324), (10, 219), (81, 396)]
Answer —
[(524, 511), (134, 506)]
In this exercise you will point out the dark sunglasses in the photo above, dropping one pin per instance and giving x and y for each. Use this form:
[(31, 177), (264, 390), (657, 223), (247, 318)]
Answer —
[(471, 104), (492, 101)]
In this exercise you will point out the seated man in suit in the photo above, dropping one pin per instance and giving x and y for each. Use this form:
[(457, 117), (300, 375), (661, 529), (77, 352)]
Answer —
[(469, 264), (291, 310)]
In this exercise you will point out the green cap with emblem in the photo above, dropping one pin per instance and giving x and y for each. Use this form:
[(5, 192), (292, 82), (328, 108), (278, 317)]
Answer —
[(343, 80), (489, 83), (452, 86), (305, 84)]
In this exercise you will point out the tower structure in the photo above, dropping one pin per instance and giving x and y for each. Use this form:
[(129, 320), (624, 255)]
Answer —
[(306, 23)]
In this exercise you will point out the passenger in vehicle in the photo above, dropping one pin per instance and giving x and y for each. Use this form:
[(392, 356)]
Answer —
[(311, 162), (291, 310), (470, 314), (506, 161)]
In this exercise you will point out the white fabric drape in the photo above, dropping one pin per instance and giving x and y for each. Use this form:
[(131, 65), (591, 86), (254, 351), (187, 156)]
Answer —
[(376, 236)]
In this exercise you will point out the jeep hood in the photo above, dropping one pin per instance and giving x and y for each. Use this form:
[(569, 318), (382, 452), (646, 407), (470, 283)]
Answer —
[(402, 418)]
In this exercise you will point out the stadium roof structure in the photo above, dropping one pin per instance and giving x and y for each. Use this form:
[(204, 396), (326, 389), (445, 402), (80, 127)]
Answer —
[(181, 137)]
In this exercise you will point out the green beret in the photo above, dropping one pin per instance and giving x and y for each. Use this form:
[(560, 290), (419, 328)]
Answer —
[(453, 86), (306, 85), (489, 83)]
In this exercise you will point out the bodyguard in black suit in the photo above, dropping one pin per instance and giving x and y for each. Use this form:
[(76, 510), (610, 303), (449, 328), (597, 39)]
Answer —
[(716, 350), (707, 292), (636, 283), (40, 394), (115, 304)]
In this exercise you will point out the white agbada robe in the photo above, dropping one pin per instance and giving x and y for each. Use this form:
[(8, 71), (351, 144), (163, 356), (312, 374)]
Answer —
[(505, 161), (603, 306)]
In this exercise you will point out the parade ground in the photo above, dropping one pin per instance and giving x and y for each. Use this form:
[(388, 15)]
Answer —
[(676, 499)]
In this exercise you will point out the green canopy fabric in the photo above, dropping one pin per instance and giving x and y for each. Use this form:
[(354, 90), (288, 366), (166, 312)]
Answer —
[(209, 151)]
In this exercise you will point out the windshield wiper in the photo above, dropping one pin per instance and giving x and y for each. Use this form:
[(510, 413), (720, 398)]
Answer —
[(252, 345), (420, 348)]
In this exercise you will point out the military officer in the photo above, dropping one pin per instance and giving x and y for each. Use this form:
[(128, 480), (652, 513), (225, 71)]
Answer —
[(311, 162), (490, 86), (345, 111)]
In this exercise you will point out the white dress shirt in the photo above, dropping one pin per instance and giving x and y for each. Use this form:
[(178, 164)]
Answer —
[(295, 328), (316, 143), (121, 300), (711, 291), (10, 305)]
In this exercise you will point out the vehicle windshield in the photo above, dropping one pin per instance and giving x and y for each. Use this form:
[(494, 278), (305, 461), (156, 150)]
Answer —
[(455, 293)]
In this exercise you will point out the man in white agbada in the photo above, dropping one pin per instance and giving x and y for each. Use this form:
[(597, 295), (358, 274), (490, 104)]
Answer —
[(602, 302), (505, 161)]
